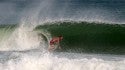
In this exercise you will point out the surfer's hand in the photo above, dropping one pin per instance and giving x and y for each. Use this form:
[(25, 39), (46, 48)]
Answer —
[(60, 48)]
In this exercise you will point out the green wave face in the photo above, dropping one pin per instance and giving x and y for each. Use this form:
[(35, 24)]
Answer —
[(88, 37), (6, 31)]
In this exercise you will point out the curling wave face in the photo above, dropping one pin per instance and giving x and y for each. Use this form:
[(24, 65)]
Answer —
[(89, 37)]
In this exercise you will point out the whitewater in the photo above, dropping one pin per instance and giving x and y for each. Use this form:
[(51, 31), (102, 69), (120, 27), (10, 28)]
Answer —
[(37, 60), (24, 49)]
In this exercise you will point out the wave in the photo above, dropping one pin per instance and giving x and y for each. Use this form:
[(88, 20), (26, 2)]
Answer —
[(24, 48), (79, 36), (90, 37)]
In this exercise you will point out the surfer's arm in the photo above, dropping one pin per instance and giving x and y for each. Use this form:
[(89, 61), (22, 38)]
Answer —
[(60, 47)]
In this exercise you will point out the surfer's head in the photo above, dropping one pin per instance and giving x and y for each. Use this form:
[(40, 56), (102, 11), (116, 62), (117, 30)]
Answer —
[(60, 37)]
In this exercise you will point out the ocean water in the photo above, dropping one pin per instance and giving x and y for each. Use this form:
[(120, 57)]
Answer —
[(27, 50), (93, 32), (88, 37)]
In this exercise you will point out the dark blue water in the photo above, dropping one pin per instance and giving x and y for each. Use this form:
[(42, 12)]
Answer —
[(109, 9), (87, 10)]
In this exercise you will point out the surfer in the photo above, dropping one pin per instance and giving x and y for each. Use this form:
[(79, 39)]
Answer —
[(55, 43)]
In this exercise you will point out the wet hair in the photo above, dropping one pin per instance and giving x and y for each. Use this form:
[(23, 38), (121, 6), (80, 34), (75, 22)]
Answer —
[(60, 36)]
